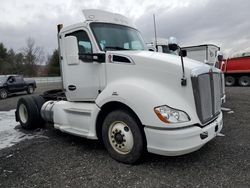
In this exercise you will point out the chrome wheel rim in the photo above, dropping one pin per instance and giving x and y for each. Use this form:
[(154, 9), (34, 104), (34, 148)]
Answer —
[(23, 113), (121, 137)]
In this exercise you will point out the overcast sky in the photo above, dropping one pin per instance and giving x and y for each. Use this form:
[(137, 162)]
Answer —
[(221, 22)]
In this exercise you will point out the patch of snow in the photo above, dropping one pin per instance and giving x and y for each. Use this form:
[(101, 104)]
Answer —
[(10, 134), (11, 155)]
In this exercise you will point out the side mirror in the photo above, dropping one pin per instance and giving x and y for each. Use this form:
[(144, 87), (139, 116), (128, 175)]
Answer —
[(219, 56), (183, 53), (173, 44), (71, 49)]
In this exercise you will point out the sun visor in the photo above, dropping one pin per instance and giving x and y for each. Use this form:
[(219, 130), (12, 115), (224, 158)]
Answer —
[(108, 17)]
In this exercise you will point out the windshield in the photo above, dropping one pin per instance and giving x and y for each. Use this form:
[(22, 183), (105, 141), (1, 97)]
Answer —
[(2, 79), (117, 37)]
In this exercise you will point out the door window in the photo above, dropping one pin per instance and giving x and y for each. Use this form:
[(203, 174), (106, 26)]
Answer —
[(83, 41), (11, 79), (19, 79)]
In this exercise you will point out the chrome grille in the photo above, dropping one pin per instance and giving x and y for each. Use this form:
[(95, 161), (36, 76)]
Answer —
[(207, 94), (217, 92)]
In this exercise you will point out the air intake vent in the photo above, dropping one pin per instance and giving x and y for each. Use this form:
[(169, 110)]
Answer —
[(120, 59)]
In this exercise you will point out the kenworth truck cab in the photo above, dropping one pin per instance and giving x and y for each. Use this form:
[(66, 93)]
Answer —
[(131, 99)]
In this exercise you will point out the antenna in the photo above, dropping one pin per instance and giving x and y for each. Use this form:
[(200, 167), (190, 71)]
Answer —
[(155, 33)]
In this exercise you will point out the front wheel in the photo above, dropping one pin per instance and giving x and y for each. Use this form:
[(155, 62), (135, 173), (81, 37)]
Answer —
[(123, 137), (3, 94), (28, 112)]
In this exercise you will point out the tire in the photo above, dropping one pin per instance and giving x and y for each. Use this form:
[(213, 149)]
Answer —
[(27, 113), (3, 94), (39, 101), (30, 89), (244, 81), (123, 137), (229, 80)]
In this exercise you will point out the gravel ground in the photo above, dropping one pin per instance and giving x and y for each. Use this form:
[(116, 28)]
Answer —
[(62, 160)]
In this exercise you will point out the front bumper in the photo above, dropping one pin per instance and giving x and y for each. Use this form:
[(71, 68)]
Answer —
[(181, 141)]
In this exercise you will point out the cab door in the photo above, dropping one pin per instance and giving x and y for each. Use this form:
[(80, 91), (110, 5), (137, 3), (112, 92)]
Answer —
[(20, 85), (12, 84), (81, 79)]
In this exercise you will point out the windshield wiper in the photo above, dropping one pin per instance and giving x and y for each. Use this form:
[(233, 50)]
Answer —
[(114, 48)]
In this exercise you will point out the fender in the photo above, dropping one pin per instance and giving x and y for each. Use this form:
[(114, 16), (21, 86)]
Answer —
[(142, 99)]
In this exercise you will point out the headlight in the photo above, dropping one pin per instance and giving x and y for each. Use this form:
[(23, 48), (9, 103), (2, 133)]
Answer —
[(170, 115)]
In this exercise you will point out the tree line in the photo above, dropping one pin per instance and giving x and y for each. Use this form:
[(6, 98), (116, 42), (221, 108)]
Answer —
[(30, 61)]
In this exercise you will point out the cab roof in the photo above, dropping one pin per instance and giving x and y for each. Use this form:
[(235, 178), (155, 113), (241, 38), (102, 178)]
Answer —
[(96, 15)]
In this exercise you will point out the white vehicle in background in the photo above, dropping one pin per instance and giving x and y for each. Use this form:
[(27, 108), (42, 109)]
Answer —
[(126, 96), (206, 53)]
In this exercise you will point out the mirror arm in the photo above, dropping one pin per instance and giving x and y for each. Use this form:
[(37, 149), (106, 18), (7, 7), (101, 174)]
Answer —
[(183, 79), (98, 57)]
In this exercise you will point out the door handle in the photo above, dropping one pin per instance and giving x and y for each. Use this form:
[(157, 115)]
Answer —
[(72, 87)]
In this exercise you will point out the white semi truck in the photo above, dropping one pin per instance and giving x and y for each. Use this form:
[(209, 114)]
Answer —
[(206, 53), (131, 99)]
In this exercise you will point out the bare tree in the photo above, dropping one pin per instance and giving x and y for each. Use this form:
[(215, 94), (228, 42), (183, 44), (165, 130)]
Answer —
[(33, 55)]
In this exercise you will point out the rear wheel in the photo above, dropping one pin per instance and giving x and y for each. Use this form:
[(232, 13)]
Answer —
[(39, 101), (28, 112), (3, 94), (30, 89), (229, 80), (244, 81), (123, 137)]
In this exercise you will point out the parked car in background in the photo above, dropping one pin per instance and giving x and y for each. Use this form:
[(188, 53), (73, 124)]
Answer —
[(15, 83)]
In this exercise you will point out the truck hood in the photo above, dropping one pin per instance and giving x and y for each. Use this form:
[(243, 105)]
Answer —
[(155, 76), (159, 58)]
